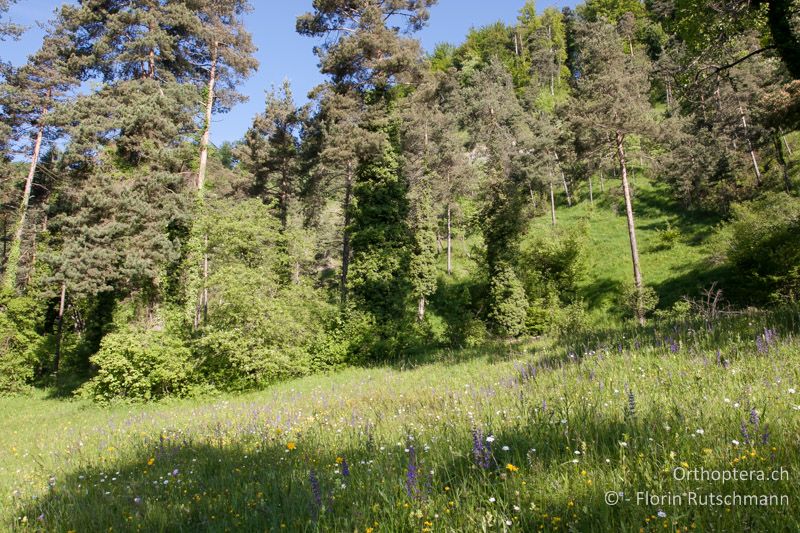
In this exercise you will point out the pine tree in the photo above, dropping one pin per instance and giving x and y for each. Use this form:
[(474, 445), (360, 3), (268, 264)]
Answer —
[(612, 103), (27, 96)]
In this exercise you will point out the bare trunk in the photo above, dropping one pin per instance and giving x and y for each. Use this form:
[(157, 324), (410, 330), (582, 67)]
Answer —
[(10, 278), (750, 144), (552, 204), (602, 183), (669, 94), (785, 142), (787, 179), (205, 278), (449, 241), (212, 79), (563, 179), (637, 273), (591, 191), (59, 328), (348, 193), (421, 309)]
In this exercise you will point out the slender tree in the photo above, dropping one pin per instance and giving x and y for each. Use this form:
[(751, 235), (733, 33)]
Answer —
[(612, 101)]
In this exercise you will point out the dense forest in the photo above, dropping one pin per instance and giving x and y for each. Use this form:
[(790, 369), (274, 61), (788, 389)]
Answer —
[(415, 203)]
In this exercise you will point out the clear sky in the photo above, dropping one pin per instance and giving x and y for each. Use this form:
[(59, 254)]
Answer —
[(281, 52)]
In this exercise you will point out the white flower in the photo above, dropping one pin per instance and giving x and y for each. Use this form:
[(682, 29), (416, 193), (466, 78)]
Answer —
[(700, 431), (623, 444), (792, 391), (506, 448), (509, 522), (662, 514), (735, 442), (490, 438), (577, 452), (492, 500)]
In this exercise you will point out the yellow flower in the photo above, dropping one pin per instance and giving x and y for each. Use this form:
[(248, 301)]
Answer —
[(369, 530), (151, 461), (291, 445), (339, 460), (511, 468)]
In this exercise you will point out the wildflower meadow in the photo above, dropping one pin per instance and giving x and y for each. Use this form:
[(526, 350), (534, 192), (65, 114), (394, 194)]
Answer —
[(613, 435)]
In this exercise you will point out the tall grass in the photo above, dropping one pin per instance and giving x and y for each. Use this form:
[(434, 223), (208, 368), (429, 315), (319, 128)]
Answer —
[(522, 437)]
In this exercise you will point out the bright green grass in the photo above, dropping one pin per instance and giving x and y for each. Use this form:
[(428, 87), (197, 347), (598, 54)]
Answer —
[(244, 463), (682, 270)]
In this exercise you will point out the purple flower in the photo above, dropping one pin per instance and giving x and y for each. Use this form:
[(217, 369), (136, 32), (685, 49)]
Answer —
[(316, 491), (481, 449), (412, 474), (345, 468)]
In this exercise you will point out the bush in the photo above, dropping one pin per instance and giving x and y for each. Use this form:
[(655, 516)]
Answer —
[(140, 365), (555, 262), (18, 342), (509, 304), (764, 248), (666, 238)]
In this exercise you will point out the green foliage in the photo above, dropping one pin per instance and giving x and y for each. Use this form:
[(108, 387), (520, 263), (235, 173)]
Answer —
[(554, 262), (667, 238), (638, 301), (135, 364), (508, 303), (763, 246), (19, 340)]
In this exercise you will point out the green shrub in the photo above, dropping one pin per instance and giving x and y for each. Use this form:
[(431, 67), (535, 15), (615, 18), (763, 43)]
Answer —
[(763, 246), (667, 238), (554, 262), (19, 341), (509, 304), (140, 365)]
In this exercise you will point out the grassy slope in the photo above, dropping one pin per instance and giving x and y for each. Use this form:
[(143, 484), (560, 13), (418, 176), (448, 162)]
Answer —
[(680, 270), (244, 463), (85, 468)]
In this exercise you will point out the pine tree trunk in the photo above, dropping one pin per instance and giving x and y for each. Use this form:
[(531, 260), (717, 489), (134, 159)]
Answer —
[(348, 193), (205, 278), (785, 142), (449, 241), (750, 145), (637, 273), (12, 265), (563, 179), (552, 203), (787, 180), (204, 141), (59, 328)]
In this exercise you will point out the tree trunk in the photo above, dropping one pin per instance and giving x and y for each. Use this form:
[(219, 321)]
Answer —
[(552, 204), (12, 265), (785, 142), (204, 141), (637, 273), (591, 191), (563, 179), (348, 193), (449, 241), (787, 180), (205, 278), (602, 183), (59, 328), (421, 309), (749, 144)]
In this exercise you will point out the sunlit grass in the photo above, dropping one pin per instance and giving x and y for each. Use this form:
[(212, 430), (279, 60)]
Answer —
[(565, 429)]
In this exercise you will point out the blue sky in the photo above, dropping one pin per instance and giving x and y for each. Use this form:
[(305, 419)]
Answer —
[(282, 53)]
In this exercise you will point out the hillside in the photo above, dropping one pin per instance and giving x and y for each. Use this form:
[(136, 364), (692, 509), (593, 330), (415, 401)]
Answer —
[(519, 437)]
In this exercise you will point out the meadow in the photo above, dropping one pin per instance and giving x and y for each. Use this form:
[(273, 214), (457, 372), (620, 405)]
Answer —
[(524, 436)]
